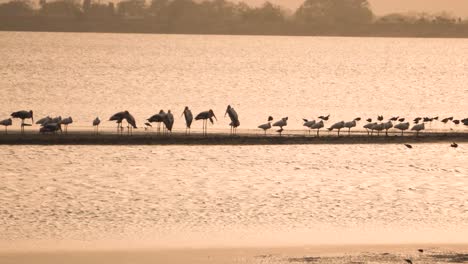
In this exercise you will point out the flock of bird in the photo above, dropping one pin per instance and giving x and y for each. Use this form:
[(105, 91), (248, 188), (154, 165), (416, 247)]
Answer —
[(54, 124)]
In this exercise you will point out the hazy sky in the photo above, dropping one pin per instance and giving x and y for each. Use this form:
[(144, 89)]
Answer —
[(455, 7)]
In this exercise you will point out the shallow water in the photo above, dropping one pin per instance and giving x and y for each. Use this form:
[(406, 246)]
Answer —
[(87, 75), (234, 195)]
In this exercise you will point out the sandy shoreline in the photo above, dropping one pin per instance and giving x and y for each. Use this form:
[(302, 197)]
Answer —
[(432, 253), (89, 138)]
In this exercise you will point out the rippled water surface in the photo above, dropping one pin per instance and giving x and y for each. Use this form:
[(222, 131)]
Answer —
[(232, 195), (235, 194)]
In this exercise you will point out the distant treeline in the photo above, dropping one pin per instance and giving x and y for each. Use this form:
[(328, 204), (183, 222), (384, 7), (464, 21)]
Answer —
[(313, 17)]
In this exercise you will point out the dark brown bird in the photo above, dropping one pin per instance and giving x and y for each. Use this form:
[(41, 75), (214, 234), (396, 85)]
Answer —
[(325, 118), (401, 119), (380, 118), (408, 146), (395, 118), (421, 250), (456, 122), (409, 261), (369, 120), (454, 145)]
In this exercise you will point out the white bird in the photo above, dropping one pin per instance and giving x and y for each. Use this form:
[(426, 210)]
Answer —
[(266, 126), (281, 123), (317, 126), (387, 126), (402, 127), (371, 127), (351, 124), (417, 128), (337, 126), (96, 123), (308, 123), (7, 122), (66, 121)]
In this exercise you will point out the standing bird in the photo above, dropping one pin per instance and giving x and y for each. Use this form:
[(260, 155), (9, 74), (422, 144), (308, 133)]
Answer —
[(317, 126), (387, 126), (337, 126), (324, 118), (378, 127), (281, 123), (188, 119), (417, 128), (371, 127), (118, 117), (96, 123), (402, 127), (169, 121), (266, 126), (131, 122), (7, 122), (159, 118), (234, 119), (308, 123), (351, 124), (66, 121), (205, 116), (23, 114)]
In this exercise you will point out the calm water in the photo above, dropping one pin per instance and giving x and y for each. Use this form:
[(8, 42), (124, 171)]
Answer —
[(232, 195)]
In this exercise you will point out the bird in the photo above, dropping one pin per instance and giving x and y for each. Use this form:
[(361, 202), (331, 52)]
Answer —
[(402, 127), (188, 119), (234, 119), (266, 126), (417, 119), (369, 120), (421, 250), (445, 120), (169, 121), (205, 116), (417, 128), (23, 114), (395, 118), (308, 123), (350, 125), (401, 119), (337, 126), (387, 126), (130, 121), (281, 123), (280, 131), (408, 146), (370, 126), (118, 117), (380, 118), (324, 118), (66, 121), (378, 127), (7, 122), (317, 126), (454, 145), (158, 118), (50, 127), (409, 261), (43, 120), (96, 123), (456, 121), (465, 121)]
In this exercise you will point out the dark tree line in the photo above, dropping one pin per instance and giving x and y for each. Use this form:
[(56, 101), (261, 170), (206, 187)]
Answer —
[(328, 17)]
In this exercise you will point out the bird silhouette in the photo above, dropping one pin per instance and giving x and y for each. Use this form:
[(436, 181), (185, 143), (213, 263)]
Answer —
[(169, 121), (96, 123), (402, 127), (409, 261), (369, 120), (387, 126), (188, 119), (380, 118), (324, 118), (418, 128), (408, 146), (338, 126), (158, 118), (281, 123), (401, 119), (234, 119), (23, 114), (454, 145), (370, 126), (266, 126), (317, 126), (308, 123), (205, 116), (421, 250), (66, 121), (350, 125), (456, 121), (7, 122)]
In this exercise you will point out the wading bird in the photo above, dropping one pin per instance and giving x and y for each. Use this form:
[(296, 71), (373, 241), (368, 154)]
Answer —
[(205, 116), (169, 121), (308, 123), (158, 118), (7, 122), (96, 123), (131, 122), (378, 127), (387, 126), (23, 114), (234, 119), (338, 126), (188, 119), (317, 126), (281, 123), (402, 127), (370, 126), (351, 124), (66, 121), (266, 126), (118, 117), (417, 128)]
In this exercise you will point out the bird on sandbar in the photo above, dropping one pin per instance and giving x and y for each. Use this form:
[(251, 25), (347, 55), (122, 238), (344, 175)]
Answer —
[(317, 126), (188, 119), (205, 116), (417, 128), (23, 114), (266, 126), (408, 146), (338, 126), (454, 145), (7, 122), (281, 123)]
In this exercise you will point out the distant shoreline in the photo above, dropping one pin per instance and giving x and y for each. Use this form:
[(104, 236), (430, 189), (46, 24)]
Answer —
[(179, 138)]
